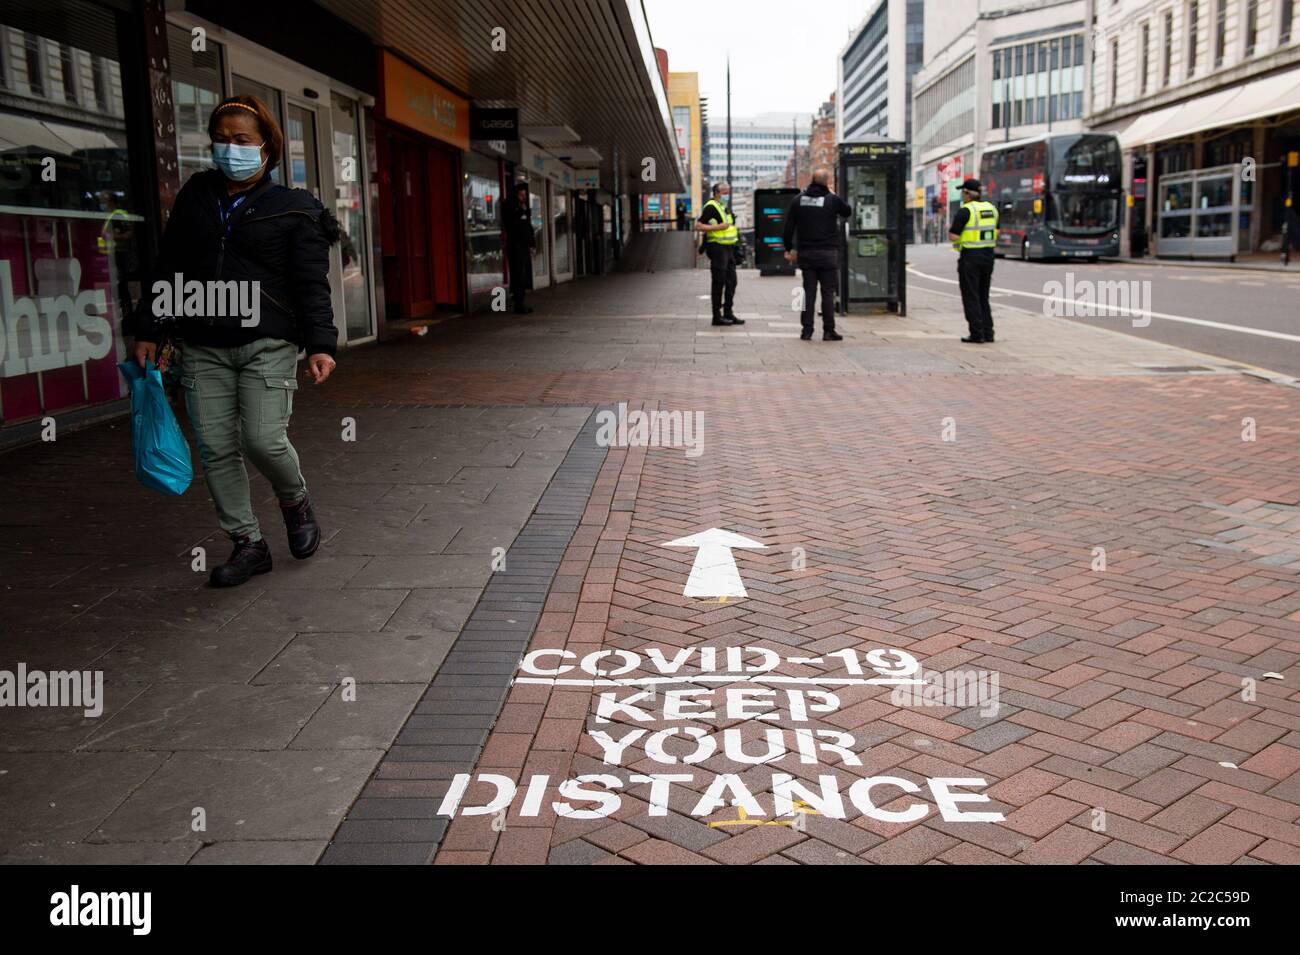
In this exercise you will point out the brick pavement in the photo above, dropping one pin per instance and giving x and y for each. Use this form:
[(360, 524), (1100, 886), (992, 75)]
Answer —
[(1121, 733)]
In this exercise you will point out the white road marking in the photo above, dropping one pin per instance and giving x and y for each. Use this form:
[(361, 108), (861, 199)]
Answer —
[(724, 678), (1134, 313), (714, 572)]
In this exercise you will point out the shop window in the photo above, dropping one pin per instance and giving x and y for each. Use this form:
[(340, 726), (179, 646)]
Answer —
[(197, 88), (482, 204), (68, 243)]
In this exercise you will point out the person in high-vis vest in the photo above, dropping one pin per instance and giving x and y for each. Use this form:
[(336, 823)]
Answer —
[(720, 238), (974, 234)]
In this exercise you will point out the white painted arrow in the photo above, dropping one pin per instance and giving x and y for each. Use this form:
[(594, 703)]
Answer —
[(714, 572)]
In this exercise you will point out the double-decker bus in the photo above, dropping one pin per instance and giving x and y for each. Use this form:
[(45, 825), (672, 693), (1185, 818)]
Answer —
[(1058, 196)]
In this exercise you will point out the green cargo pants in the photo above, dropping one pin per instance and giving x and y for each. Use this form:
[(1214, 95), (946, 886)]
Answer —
[(239, 401)]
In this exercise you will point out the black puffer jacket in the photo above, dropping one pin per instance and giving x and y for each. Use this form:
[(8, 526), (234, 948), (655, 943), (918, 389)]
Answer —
[(277, 236)]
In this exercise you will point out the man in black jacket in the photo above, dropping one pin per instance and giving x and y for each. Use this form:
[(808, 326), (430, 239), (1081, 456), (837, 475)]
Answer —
[(520, 240), (812, 236)]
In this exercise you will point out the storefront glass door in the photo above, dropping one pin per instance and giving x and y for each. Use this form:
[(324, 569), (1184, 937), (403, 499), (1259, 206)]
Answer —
[(350, 209), (301, 168), (561, 232)]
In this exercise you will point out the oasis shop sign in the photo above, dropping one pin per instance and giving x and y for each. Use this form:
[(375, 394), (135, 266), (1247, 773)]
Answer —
[(493, 124), (415, 100)]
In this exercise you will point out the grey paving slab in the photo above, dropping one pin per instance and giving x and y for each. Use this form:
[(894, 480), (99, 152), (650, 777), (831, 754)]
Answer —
[(303, 611), (269, 852), (379, 657), (220, 716), (425, 571), (224, 656), (281, 795), (368, 720), (63, 796)]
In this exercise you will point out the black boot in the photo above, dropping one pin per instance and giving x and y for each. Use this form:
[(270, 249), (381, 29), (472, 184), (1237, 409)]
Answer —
[(831, 335), (972, 340), (249, 557), (304, 532), (720, 320), (729, 318), (806, 334)]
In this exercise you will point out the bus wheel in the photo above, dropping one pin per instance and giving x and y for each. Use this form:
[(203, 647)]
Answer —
[(1024, 251)]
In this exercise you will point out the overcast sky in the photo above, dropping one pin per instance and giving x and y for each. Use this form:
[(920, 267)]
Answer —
[(783, 52)]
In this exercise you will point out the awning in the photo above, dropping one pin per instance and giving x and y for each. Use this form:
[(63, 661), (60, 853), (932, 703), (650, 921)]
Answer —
[(584, 67), (1269, 96)]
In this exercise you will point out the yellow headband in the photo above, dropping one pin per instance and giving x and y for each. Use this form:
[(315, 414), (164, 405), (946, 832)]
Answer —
[(237, 106)]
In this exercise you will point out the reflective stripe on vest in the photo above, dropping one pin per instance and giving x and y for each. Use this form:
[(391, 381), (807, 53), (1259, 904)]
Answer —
[(981, 230), (727, 236)]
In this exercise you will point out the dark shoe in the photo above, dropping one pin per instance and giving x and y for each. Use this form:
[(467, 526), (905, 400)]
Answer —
[(304, 532), (732, 319), (972, 340), (249, 558), (723, 321), (806, 334), (832, 336), (990, 340)]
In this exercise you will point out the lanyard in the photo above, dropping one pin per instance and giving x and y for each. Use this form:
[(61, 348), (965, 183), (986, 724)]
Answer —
[(227, 211)]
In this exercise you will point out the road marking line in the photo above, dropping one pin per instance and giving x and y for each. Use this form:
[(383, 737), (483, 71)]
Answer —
[(1261, 332), (722, 678)]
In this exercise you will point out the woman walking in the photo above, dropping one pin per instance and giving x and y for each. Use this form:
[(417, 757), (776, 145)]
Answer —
[(234, 224)]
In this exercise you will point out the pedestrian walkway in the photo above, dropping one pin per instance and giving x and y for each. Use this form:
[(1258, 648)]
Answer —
[(1070, 518)]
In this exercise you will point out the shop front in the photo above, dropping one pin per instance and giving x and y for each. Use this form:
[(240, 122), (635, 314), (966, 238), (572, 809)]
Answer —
[(550, 189), (422, 131), (326, 143), (1218, 171), (74, 198)]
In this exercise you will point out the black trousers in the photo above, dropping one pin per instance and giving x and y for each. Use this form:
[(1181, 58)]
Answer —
[(975, 275), (520, 258), (722, 270), (820, 268)]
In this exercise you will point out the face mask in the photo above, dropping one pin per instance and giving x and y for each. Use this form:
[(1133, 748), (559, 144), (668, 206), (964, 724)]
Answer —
[(237, 162)]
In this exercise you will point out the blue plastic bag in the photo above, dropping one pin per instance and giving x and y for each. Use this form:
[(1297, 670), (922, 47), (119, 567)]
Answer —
[(162, 455)]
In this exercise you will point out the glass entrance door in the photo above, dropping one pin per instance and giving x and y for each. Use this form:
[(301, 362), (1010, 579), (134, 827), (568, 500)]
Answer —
[(353, 250), (301, 168)]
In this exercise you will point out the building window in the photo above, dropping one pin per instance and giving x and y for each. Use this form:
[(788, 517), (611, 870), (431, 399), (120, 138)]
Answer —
[(1144, 66), (1252, 26), (35, 64), (1220, 31), (1114, 72), (1167, 56), (1288, 14), (1193, 35), (68, 68), (97, 71)]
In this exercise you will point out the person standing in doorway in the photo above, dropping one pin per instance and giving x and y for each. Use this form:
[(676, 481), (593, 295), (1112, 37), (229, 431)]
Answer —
[(812, 235), (235, 226), (720, 238), (521, 239), (974, 234)]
